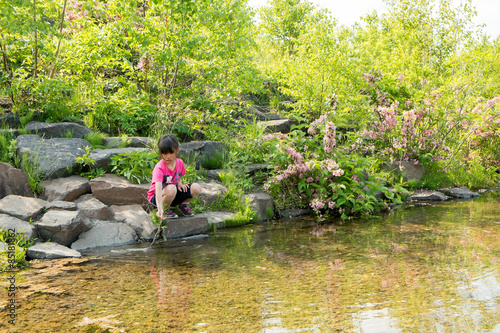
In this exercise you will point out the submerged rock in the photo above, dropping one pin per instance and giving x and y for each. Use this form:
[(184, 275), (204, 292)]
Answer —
[(427, 196)]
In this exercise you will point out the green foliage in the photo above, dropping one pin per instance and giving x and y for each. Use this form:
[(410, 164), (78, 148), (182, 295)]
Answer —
[(8, 148), (95, 139), (136, 166), (20, 245), (35, 175), (214, 162)]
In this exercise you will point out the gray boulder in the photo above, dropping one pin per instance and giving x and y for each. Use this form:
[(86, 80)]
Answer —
[(261, 204), (460, 193), (24, 208), (54, 157), (58, 130), (186, 226), (409, 169), (427, 196), (10, 120), (215, 174), (61, 226), (280, 125), (202, 151), (63, 205), (9, 132), (90, 207), (137, 218), (102, 157), (211, 192), (50, 250), (105, 234), (132, 142), (217, 220), (9, 222), (114, 190), (261, 113), (66, 189), (13, 181)]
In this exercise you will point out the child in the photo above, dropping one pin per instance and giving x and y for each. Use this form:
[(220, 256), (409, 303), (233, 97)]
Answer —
[(167, 189)]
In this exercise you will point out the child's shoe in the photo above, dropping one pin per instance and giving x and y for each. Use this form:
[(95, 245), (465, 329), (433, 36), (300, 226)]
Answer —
[(186, 210), (169, 214)]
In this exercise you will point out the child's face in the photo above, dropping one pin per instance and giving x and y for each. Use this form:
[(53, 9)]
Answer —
[(170, 157)]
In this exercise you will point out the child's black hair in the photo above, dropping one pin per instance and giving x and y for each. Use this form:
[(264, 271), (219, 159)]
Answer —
[(168, 144)]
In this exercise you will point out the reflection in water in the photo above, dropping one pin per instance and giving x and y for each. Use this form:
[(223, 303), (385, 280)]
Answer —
[(421, 269)]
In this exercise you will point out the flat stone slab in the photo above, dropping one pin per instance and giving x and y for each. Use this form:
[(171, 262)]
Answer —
[(63, 205), (102, 157), (459, 193), (428, 196), (185, 226), (24, 208), (10, 222), (217, 220), (50, 250), (54, 157), (58, 130), (105, 234), (61, 226), (66, 189), (115, 190), (137, 218)]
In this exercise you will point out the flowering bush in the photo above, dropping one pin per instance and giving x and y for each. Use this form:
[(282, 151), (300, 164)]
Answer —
[(310, 170)]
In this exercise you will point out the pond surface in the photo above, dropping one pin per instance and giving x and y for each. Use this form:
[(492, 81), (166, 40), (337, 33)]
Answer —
[(431, 268)]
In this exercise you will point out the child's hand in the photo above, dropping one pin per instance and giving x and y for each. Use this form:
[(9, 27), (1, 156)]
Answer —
[(182, 188), (159, 213)]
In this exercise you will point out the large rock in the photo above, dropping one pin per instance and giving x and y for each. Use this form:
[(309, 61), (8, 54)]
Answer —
[(137, 218), (217, 220), (185, 226), (50, 250), (63, 205), (102, 157), (427, 196), (24, 208), (261, 113), (61, 226), (13, 181), (10, 222), (58, 130), (201, 151), (114, 190), (459, 193), (132, 142), (105, 234), (90, 207), (211, 192), (261, 204), (66, 189), (54, 157), (408, 169), (280, 125)]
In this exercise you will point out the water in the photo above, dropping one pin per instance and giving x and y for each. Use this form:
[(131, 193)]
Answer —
[(431, 268)]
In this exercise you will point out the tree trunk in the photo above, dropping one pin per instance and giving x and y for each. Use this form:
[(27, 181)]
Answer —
[(59, 42)]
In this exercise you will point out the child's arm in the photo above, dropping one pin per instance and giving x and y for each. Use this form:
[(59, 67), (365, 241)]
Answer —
[(159, 199)]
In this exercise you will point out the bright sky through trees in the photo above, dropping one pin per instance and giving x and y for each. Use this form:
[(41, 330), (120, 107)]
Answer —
[(349, 12)]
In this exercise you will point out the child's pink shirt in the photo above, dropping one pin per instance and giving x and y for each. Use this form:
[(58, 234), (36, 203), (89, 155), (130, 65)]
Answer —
[(163, 174)]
